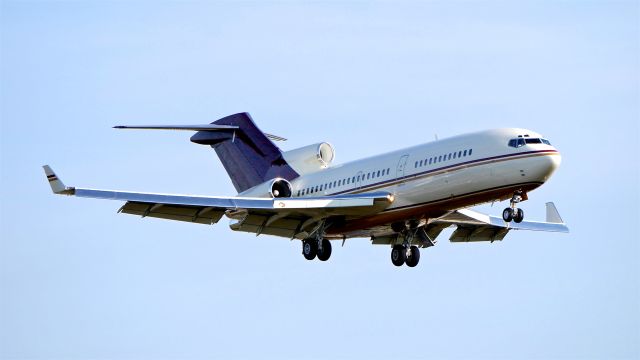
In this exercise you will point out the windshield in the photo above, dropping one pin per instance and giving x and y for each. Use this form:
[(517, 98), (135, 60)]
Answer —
[(519, 142)]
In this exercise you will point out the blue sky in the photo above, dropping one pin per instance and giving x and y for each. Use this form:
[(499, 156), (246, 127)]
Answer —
[(79, 281)]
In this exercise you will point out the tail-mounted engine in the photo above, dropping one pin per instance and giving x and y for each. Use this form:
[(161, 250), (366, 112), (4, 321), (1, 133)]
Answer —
[(311, 158)]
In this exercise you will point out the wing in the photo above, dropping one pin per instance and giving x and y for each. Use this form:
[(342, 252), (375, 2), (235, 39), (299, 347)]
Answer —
[(474, 226), (290, 217)]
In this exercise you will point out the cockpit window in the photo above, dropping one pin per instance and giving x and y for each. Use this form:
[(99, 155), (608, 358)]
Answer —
[(516, 143)]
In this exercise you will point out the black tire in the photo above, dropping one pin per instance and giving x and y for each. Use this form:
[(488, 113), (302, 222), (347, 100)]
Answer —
[(507, 214), (414, 257), (325, 254), (398, 255), (309, 249), (519, 216)]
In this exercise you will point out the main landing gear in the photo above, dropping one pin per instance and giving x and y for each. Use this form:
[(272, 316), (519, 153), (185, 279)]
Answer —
[(415, 237), (317, 246), (312, 248), (513, 213), (401, 254)]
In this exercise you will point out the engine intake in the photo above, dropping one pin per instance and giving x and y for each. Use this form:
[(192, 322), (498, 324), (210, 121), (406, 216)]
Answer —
[(310, 158), (280, 188)]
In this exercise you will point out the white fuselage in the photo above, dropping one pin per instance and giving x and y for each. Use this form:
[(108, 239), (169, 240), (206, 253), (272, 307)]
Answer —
[(439, 172)]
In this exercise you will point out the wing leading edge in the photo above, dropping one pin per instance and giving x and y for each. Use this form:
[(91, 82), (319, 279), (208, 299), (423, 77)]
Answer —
[(209, 209)]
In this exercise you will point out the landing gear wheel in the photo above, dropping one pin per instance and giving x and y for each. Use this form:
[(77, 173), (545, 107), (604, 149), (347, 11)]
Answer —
[(325, 253), (507, 214), (518, 216), (309, 249), (398, 255), (414, 256)]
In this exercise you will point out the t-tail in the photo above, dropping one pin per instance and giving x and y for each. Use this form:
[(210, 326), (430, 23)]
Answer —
[(247, 154)]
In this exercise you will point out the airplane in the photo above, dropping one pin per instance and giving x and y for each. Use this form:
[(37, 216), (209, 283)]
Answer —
[(403, 199)]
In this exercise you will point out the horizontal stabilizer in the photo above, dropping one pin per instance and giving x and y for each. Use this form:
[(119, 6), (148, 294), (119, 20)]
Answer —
[(206, 127)]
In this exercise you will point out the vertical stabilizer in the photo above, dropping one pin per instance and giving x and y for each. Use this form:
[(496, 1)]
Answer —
[(246, 153)]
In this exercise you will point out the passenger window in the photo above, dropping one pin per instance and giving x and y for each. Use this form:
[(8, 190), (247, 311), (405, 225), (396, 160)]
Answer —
[(454, 155), (415, 165), (368, 176), (449, 157), (378, 173), (470, 152), (459, 154), (465, 153), (430, 161)]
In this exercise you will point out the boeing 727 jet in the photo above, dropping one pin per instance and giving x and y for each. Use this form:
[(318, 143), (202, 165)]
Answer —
[(403, 199)]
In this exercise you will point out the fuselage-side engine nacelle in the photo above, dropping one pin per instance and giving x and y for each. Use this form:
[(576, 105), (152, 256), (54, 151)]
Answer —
[(274, 188), (310, 158)]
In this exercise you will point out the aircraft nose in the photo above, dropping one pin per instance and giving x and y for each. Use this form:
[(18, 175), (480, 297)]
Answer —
[(551, 162)]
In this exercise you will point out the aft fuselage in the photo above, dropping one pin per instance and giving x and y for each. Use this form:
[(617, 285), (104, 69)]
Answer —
[(430, 179)]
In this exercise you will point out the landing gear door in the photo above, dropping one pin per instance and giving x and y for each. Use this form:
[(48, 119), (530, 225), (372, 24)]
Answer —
[(402, 164)]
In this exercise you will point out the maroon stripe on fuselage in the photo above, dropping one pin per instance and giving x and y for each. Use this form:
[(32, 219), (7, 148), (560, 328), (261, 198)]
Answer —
[(449, 167)]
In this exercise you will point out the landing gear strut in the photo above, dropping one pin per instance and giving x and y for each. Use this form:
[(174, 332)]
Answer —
[(513, 213)]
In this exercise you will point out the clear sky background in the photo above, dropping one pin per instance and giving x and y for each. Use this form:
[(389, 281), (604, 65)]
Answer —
[(79, 281)]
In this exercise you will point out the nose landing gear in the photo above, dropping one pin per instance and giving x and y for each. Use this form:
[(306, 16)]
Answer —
[(513, 213)]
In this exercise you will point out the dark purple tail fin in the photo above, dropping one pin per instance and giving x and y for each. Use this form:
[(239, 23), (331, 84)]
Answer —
[(249, 157)]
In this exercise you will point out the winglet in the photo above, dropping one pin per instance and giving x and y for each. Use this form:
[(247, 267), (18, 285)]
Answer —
[(553, 216), (57, 186)]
